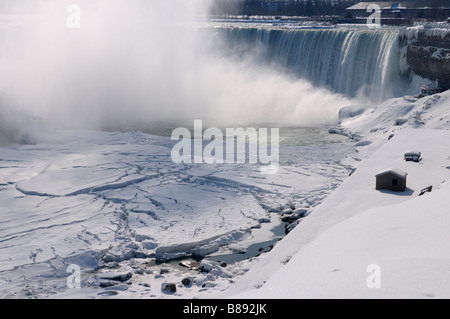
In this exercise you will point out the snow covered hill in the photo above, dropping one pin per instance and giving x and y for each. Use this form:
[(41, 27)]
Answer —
[(359, 232), (407, 241)]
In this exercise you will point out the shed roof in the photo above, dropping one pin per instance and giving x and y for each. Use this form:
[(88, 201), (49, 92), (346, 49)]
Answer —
[(393, 171)]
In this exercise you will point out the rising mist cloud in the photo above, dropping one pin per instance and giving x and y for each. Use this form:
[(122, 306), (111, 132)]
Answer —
[(142, 62)]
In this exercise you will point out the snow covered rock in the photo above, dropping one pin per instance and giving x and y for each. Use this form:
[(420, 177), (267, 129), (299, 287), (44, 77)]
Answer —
[(207, 265), (344, 132), (201, 280), (301, 212), (363, 143), (220, 272), (428, 52), (205, 250), (121, 276), (352, 111)]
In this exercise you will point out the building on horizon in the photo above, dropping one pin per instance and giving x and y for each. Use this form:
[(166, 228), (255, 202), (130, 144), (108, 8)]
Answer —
[(400, 12)]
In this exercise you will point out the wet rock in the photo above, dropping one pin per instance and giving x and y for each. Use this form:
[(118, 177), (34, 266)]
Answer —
[(192, 265), (299, 213), (106, 284), (108, 293), (185, 264), (400, 121), (116, 276), (274, 209), (163, 271), (122, 287), (187, 282), (149, 272), (138, 271), (289, 227), (168, 287), (111, 257)]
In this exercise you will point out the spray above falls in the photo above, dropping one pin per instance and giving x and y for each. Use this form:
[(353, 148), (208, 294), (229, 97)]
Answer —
[(149, 62)]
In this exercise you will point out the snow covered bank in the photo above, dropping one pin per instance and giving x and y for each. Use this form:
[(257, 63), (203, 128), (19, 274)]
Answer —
[(428, 51), (408, 241), (329, 254)]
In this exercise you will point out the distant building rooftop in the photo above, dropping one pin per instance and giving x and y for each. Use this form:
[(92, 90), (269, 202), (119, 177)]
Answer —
[(391, 5)]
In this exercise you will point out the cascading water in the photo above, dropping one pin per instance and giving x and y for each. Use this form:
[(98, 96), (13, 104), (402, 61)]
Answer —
[(352, 61)]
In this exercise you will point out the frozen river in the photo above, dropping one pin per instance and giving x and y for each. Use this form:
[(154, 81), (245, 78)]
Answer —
[(105, 201)]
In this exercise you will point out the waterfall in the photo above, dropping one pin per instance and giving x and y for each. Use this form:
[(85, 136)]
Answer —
[(350, 61), (151, 69)]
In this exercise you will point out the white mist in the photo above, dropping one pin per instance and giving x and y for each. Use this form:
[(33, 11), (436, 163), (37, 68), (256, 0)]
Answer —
[(141, 62)]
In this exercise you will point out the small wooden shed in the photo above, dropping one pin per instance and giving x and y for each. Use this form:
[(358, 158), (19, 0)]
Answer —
[(392, 179)]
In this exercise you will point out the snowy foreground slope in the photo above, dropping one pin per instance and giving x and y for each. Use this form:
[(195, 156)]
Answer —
[(331, 254)]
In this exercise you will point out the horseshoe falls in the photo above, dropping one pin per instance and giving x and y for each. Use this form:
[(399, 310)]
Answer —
[(356, 62), (88, 122), (218, 71)]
